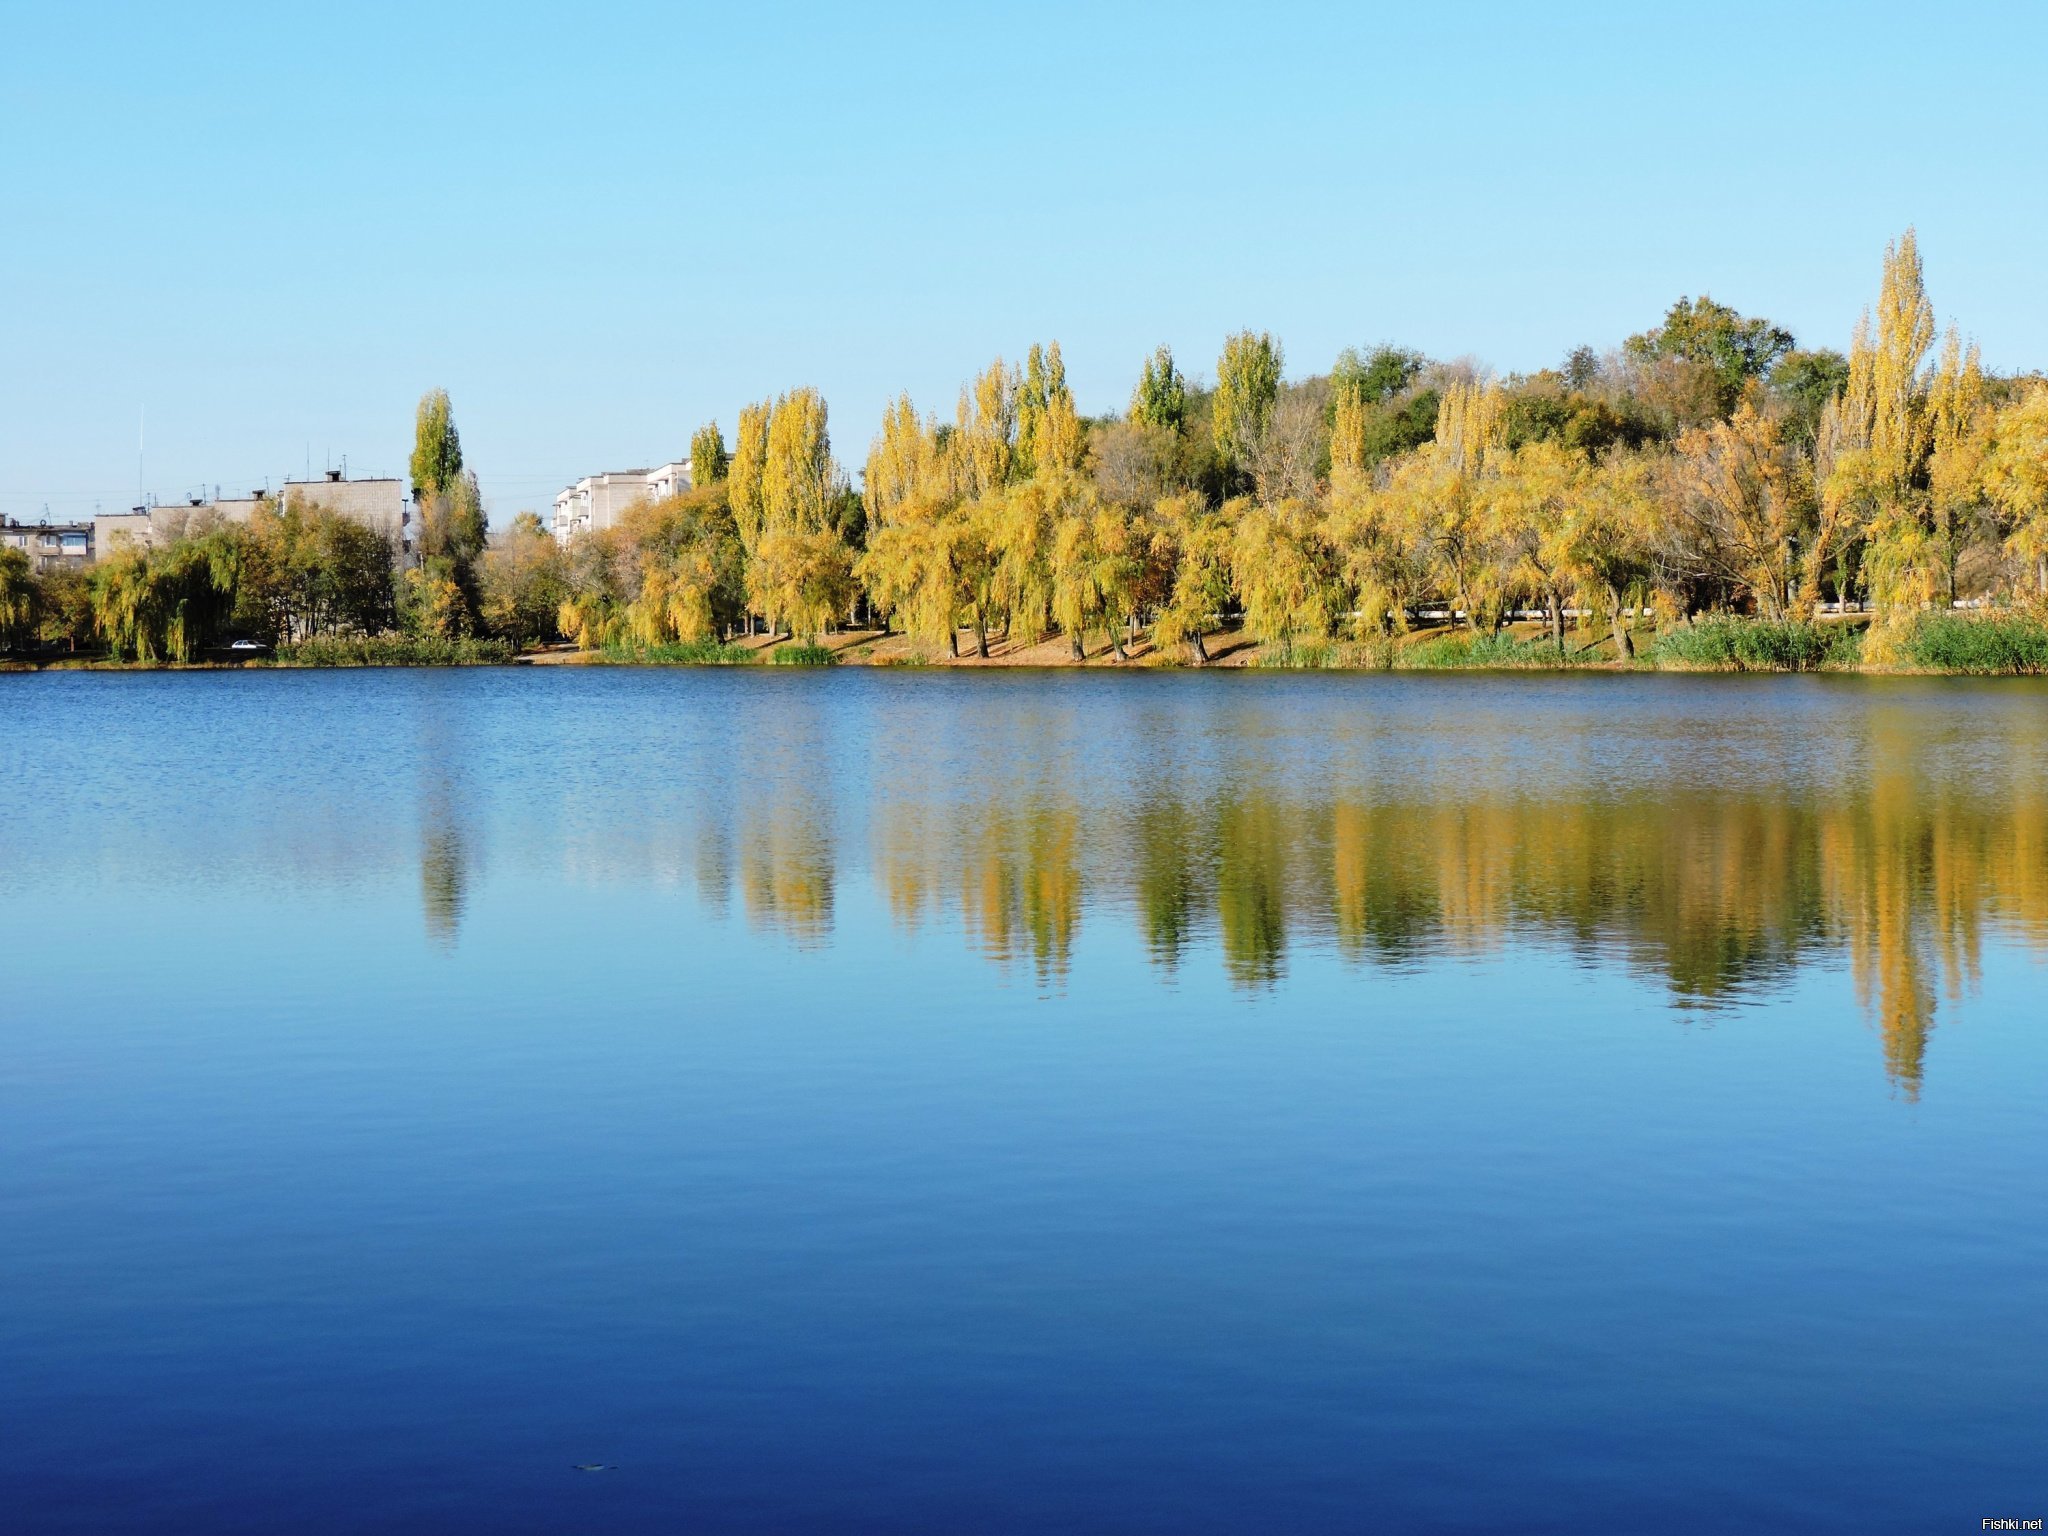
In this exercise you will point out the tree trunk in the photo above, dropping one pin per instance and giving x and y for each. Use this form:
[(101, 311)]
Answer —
[(953, 642), (981, 634), (1556, 620), (1201, 651), (1080, 650), (1116, 641), (1624, 645)]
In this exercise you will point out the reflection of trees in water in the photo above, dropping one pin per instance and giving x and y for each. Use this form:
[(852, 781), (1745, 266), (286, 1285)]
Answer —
[(1719, 893), (444, 880), (446, 846), (786, 869)]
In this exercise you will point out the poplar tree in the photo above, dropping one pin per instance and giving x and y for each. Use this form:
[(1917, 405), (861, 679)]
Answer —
[(707, 455), (436, 446), (1161, 398), (1247, 386), (1878, 437), (745, 472)]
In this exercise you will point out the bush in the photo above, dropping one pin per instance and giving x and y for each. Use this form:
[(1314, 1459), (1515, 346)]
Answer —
[(685, 653), (393, 651), (1758, 645), (801, 656), (1990, 643), (1492, 650)]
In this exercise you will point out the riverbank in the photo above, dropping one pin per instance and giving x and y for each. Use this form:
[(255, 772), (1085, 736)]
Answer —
[(1943, 645)]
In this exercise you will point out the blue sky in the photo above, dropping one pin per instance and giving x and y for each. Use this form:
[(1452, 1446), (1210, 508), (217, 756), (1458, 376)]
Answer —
[(271, 227)]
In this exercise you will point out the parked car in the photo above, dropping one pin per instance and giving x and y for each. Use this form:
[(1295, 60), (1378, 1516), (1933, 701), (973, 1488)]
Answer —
[(244, 647)]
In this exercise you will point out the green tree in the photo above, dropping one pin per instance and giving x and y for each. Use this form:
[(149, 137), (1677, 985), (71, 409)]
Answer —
[(20, 599), (1161, 398), (1805, 384), (707, 455), (436, 446), (1731, 348), (1374, 377), (1247, 386)]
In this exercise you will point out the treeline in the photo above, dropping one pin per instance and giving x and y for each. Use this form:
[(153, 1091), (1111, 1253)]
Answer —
[(1709, 466)]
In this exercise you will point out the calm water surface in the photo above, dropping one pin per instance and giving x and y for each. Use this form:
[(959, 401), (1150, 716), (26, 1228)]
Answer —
[(1176, 1103)]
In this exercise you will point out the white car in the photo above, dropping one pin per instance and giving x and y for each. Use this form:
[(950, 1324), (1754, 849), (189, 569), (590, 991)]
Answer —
[(248, 645)]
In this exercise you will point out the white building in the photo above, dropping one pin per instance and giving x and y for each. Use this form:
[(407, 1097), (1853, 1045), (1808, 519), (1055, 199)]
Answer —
[(596, 502)]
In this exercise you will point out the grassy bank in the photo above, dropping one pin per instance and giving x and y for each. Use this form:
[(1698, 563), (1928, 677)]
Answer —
[(391, 651)]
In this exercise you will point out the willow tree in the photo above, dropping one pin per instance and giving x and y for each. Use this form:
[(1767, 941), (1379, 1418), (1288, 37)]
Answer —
[(1958, 437), (707, 455), (912, 488), (1196, 551), (1099, 567), (1247, 387), (168, 603), (1531, 500), (680, 567), (20, 599), (1285, 573), (1608, 541), (1374, 547), (799, 568), (1435, 497), (2016, 481)]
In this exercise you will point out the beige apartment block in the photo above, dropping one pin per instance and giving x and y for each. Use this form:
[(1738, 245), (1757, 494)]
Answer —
[(596, 502)]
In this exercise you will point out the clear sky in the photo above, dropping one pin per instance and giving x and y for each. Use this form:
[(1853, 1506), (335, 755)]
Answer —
[(270, 227)]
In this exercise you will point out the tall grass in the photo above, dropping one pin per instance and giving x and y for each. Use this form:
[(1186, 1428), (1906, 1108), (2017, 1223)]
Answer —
[(1758, 645), (1371, 655), (1488, 651), (802, 656), (1986, 643), (392, 651), (685, 653)]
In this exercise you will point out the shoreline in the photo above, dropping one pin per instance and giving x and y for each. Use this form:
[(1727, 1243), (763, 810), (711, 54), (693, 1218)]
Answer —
[(1230, 650)]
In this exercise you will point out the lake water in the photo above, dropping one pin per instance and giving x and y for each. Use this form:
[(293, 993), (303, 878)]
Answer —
[(1026, 1102)]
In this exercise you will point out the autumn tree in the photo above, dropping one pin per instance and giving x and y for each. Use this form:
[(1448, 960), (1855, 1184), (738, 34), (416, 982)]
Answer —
[(436, 446), (1743, 492), (20, 599), (1878, 439), (1193, 546), (2016, 481), (1285, 573), (707, 455), (525, 581), (1247, 388)]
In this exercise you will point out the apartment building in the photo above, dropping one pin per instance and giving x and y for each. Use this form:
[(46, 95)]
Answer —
[(377, 503), (596, 502), (49, 546)]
